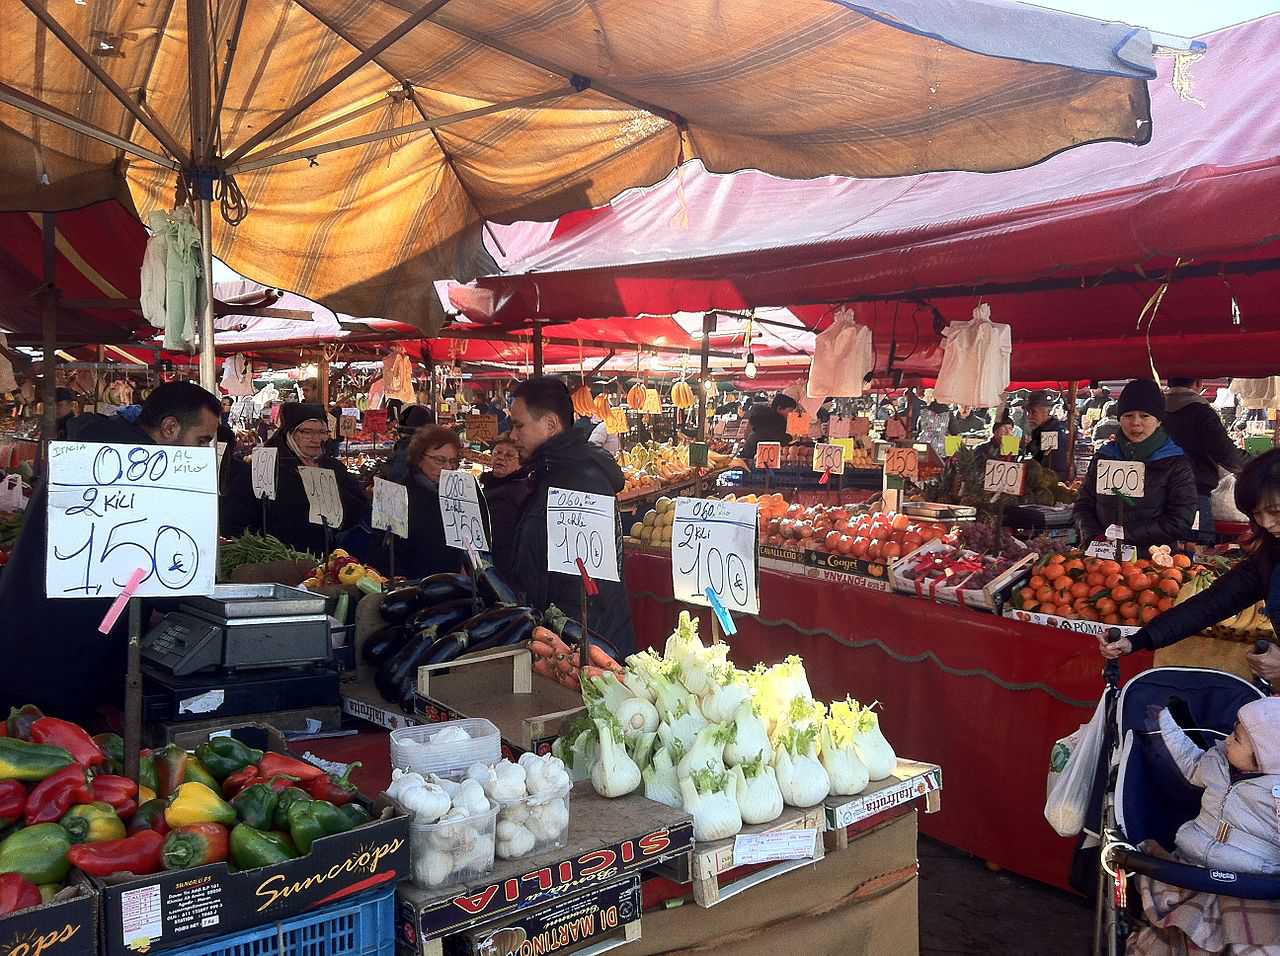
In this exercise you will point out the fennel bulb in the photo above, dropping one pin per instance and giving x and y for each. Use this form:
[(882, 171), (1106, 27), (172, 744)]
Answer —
[(707, 752), (728, 692), (847, 772), (614, 773), (661, 784), (759, 799), (862, 724), (801, 777), (750, 739), (711, 799)]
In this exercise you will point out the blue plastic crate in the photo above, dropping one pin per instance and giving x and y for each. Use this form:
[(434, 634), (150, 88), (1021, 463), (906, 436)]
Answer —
[(364, 927)]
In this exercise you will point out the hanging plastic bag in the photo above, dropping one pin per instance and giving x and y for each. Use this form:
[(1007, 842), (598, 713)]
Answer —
[(11, 494), (1224, 498), (1073, 764)]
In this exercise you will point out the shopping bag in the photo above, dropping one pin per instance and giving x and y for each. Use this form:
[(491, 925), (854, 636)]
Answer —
[(1073, 763), (11, 496)]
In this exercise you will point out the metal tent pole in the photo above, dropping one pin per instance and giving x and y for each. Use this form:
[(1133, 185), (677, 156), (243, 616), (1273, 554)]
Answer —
[(208, 356)]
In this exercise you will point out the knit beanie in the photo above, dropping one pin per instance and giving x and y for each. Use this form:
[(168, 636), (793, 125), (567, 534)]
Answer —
[(1261, 720), (293, 414), (1141, 395)]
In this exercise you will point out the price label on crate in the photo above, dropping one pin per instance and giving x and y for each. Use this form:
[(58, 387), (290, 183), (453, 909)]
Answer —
[(583, 526), (828, 459), (768, 454), (391, 507), (118, 509), (460, 511), (1122, 478), (902, 463), (1048, 441), (714, 544), (321, 489), (1004, 477)]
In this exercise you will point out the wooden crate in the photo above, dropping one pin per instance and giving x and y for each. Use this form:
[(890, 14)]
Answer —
[(911, 781)]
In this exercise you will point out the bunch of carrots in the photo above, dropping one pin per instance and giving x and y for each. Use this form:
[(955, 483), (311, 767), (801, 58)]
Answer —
[(555, 659)]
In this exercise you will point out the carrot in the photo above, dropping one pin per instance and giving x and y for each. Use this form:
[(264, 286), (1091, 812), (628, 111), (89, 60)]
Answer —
[(541, 649), (545, 634), (593, 671), (565, 665), (570, 681), (601, 659), (544, 667)]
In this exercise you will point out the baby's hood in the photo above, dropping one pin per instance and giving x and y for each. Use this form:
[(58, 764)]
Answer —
[(1261, 720)]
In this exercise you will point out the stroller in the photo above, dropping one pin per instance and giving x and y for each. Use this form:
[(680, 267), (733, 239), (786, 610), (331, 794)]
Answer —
[(1205, 703)]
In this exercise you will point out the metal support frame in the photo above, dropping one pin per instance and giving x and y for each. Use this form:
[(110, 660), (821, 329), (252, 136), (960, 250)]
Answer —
[(198, 59), (537, 348), (224, 77), (708, 326), (49, 330), (1073, 428)]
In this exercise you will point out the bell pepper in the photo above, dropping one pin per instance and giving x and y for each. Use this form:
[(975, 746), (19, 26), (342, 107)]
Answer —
[(256, 805), (93, 823), (72, 738), (196, 772), (251, 848), (350, 574), (17, 893), (21, 719), (120, 792), (48, 890), (138, 854), (171, 769), (150, 816), (284, 800), (356, 815), (337, 790), (113, 746), (52, 797), (196, 803), (39, 853), (147, 776), (22, 760), (309, 820), (239, 780), (223, 756), (146, 794), (273, 763), (195, 845), (13, 801)]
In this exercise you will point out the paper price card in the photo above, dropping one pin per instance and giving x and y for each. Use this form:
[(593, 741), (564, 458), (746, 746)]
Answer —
[(768, 454), (903, 462), (951, 445), (321, 488), (347, 426), (828, 459), (713, 545), (749, 848), (263, 472), (699, 454), (1048, 441), (391, 507), (1127, 478), (482, 428), (798, 423), (860, 427), (838, 427), (846, 445), (460, 511), (1004, 477), (1010, 444), (116, 509), (375, 421), (583, 526)]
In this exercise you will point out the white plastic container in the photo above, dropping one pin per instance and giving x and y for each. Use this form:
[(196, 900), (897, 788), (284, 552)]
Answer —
[(452, 853), (412, 748), (544, 815)]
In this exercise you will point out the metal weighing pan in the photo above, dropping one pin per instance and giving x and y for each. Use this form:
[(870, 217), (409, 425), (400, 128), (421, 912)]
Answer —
[(231, 601)]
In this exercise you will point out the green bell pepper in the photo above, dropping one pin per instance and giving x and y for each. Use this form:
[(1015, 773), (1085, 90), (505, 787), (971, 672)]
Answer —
[(356, 815), (39, 853), (252, 848), (256, 806), (147, 775), (284, 800), (113, 746), (22, 760), (196, 772), (223, 756), (309, 820), (92, 823)]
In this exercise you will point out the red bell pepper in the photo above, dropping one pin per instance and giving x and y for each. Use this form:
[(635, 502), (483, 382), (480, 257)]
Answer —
[(17, 893), (238, 781), (13, 801), (195, 845), (120, 792), (72, 738), (138, 854), (337, 790), (274, 763), (53, 796), (150, 816)]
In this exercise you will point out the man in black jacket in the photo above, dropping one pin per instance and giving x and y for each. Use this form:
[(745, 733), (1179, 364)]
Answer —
[(558, 455), (1050, 454), (54, 656), (1192, 422)]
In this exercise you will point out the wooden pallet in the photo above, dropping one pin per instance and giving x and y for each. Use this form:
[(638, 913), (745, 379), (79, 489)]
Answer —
[(911, 781)]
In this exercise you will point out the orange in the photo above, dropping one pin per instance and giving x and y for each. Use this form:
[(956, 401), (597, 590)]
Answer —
[(1108, 567), (1030, 606), (1106, 606), (1063, 610), (1044, 595), (1027, 594), (1079, 590), (1164, 604), (1095, 579), (1149, 614), (1122, 593), (1075, 564), (1110, 619), (1170, 587), (1129, 610), (1037, 582), (1058, 559), (1054, 571), (1139, 582), (1181, 561), (1171, 574), (1063, 584), (1088, 614), (1113, 580), (1147, 598)]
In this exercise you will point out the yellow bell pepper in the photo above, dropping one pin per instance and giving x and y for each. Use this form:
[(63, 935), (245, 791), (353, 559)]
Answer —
[(145, 794), (351, 573), (196, 803)]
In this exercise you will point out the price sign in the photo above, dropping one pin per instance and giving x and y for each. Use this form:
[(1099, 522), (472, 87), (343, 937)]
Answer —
[(1122, 478), (482, 428), (1004, 477), (347, 425), (768, 454), (798, 423), (263, 472), (376, 421), (1010, 444), (903, 462), (952, 445), (698, 457), (860, 427), (1258, 444), (115, 510), (838, 427), (460, 511), (391, 507), (846, 446), (321, 488), (582, 525), (828, 459), (714, 545), (1048, 441), (894, 429)]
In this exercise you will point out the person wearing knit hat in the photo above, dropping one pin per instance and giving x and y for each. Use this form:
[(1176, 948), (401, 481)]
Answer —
[(1166, 510), (1051, 454)]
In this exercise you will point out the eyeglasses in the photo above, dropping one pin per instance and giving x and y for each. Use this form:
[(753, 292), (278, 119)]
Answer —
[(320, 433), (442, 461)]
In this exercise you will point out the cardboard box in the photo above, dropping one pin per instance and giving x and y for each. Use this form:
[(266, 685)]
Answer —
[(987, 597), (64, 927), (843, 569), (1092, 628)]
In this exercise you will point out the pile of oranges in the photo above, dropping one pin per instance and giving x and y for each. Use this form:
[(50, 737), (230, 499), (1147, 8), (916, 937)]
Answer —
[(1130, 593)]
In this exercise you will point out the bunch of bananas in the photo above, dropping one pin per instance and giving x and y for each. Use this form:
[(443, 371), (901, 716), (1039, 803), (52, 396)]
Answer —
[(1246, 627)]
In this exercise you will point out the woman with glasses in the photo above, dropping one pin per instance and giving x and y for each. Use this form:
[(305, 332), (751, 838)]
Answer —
[(506, 488), (432, 449), (1257, 578)]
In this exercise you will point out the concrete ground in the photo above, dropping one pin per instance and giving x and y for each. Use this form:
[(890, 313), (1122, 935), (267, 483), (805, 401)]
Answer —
[(967, 909)]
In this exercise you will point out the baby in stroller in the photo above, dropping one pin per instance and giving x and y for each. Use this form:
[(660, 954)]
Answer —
[(1238, 827)]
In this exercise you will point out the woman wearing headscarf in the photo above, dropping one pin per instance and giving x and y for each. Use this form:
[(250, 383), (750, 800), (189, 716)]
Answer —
[(432, 449)]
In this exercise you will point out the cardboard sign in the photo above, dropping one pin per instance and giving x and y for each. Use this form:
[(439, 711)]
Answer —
[(1004, 477), (768, 454), (262, 467), (894, 429), (798, 423), (1048, 441), (903, 462), (860, 427), (391, 507), (581, 525), (1122, 478), (321, 487), (838, 427), (952, 445), (460, 511), (698, 457), (828, 459), (375, 421), (1010, 444), (846, 446), (714, 545), (118, 509), (347, 426), (482, 428)]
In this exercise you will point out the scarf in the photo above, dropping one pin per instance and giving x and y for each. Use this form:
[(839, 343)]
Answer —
[(422, 481), (1143, 450), (302, 459)]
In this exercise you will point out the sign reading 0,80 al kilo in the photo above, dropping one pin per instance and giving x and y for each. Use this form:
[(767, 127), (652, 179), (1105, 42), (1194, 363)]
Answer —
[(118, 509)]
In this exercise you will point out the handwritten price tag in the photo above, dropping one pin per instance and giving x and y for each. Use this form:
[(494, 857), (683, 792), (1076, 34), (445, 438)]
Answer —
[(1010, 444), (391, 507), (1122, 478), (263, 472), (482, 428), (749, 848), (1004, 477), (768, 454), (460, 511), (904, 462), (347, 425), (582, 525), (714, 545), (1048, 441), (798, 423), (321, 488), (828, 459)]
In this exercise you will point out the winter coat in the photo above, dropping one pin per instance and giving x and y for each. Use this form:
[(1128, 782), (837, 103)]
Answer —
[(571, 462), (506, 499), (1241, 587), (1194, 424), (1055, 459), (1163, 516), (424, 552), (1242, 801)]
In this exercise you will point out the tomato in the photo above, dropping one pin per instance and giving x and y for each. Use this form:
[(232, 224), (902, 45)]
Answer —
[(845, 544), (874, 550), (773, 526), (900, 522), (879, 531), (832, 540), (804, 529), (794, 510), (891, 550), (912, 540)]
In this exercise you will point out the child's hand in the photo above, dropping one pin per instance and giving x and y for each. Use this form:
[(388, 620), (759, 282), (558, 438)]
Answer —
[(1267, 664)]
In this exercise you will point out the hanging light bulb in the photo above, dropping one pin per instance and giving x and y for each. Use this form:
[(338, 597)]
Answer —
[(750, 370), (708, 386)]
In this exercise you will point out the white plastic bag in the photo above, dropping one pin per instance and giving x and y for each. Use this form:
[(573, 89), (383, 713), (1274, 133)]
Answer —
[(11, 496), (1073, 764), (1224, 498)]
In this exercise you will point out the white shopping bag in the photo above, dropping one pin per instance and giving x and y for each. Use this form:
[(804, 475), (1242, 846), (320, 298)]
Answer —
[(11, 496), (1073, 765)]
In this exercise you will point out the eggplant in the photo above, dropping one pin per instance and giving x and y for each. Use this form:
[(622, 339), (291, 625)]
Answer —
[(397, 678), (514, 629), (445, 616), (398, 605), (382, 644), (494, 590), (484, 625), (570, 632)]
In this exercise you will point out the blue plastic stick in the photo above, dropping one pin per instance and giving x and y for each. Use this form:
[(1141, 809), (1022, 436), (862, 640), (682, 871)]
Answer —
[(726, 622)]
